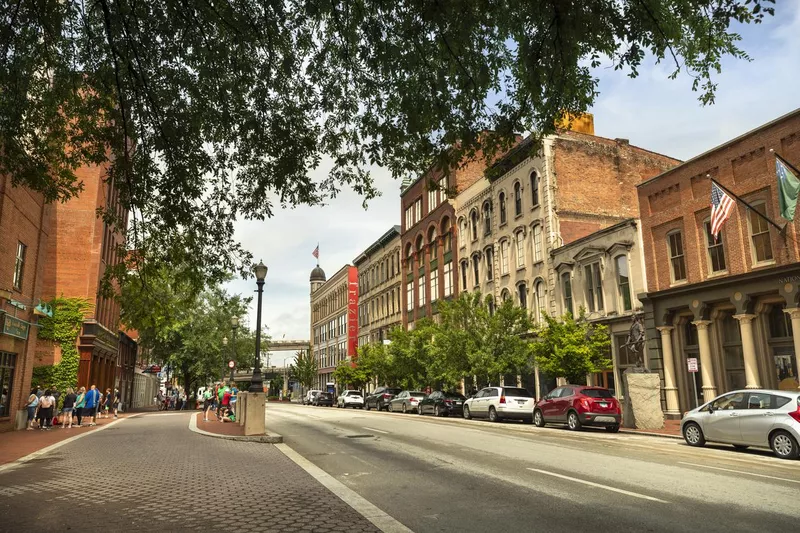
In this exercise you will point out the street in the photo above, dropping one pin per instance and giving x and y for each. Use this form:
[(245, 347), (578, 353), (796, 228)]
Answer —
[(457, 475)]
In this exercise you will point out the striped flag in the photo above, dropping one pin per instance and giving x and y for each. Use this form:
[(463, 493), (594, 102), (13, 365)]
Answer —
[(721, 207), (315, 253)]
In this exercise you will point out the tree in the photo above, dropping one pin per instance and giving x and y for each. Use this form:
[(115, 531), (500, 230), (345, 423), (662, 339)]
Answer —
[(347, 375), (204, 112), (411, 355), (572, 348), (275, 385), (305, 368)]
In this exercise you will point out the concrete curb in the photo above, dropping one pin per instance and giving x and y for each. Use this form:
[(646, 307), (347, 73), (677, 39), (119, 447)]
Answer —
[(269, 438), (650, 434)]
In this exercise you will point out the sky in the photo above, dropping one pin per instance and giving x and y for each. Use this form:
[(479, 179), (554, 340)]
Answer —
[(652, 111)]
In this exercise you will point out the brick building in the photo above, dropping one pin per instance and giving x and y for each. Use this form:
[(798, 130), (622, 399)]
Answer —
[(733, 303), (80, 247), (379, 288), (23, 236)]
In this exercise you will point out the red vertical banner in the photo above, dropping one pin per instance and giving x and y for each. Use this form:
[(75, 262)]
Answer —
[(352, 312)]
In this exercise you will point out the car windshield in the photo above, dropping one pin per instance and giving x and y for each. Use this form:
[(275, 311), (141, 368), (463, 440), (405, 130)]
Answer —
[(514, 391), (597, 393)]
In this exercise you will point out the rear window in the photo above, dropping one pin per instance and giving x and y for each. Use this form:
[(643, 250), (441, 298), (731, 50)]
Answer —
[(597, 393), (780, 401), (324, 395), (394, 391), (454, 396), (417, 394), (354, 393), (513, 391)]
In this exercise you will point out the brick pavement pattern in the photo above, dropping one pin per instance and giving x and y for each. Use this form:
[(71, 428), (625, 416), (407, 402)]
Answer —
[(151, 473)]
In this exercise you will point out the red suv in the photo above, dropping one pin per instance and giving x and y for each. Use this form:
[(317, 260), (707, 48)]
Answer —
[(578, 406)]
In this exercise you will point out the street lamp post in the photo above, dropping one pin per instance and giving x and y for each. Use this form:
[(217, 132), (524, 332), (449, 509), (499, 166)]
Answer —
[(224, 343), (256, 383), (234, 327)]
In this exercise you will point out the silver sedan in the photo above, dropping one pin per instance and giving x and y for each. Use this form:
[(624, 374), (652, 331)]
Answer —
[(752, 417), (406, 401)]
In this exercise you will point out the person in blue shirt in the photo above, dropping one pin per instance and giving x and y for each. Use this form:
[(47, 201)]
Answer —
[(92, 399)]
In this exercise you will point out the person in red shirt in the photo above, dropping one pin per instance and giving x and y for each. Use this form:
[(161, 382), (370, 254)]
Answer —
[(226, 405)]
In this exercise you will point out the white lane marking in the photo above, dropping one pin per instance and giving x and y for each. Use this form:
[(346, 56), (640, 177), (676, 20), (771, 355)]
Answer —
[(48, 449), (380, 519), (376, 430), (740, 472), (599, 486)]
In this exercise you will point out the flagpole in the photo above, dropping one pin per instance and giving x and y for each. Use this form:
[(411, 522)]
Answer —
[(756, 211), (785, 162)]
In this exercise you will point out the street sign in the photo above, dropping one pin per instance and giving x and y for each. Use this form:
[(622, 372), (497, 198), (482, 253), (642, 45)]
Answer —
[(691, 362), (231, 364)]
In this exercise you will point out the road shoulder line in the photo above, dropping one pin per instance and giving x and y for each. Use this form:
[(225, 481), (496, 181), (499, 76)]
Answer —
[(379, 518), (599, 485), (740, 472)]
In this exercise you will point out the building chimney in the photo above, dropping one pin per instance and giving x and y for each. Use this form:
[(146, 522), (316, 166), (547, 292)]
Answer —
[(622, 142)]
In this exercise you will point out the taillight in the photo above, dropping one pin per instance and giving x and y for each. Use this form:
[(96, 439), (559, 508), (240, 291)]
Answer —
[(586, 404), (413, 400), (502, 399), (386, 395), (448, 401), (796, 414)]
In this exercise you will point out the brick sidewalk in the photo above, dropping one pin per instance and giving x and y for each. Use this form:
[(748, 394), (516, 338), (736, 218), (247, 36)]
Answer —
[(219, 428), (672, 428)]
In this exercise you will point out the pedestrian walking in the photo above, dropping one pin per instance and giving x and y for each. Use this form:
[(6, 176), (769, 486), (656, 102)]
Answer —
[(117, 405), (68, 408), (92, 401), (234, 393), (32, 405), (109, 400), (45, 413), (225, 405), (207, 403), (80, 405)]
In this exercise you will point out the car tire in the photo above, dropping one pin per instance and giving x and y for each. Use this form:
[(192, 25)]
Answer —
[(574, 421), (493, 415), (436, 411), (419, 410), (783, 445), (538, 419), (693, 435), (466, 414), (741, 447), (404, 408), (391, 408), (612, 429), (366, 406)]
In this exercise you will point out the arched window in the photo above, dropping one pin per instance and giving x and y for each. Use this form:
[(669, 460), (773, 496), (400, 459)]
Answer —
[(464, 275), (520, 249), (487, 218), (504, 257), (502, 202), (434, 243), (517, 199), (447, 235), (537, 243), (505, 295), (490, 306), (489, 254), (522, 290), (534, 189), (539, 305), (476, 269), (420, 251), (623, 282), (462, 233), (473, 216)]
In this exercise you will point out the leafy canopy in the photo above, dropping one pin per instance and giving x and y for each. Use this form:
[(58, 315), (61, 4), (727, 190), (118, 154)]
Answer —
[(305, 368), (205, 112)]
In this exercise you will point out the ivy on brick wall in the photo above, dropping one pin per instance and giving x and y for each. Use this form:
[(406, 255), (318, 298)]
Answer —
[(62, 328)]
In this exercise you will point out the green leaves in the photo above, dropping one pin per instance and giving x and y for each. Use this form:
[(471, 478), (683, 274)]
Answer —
[(305, 368), (202, 113)]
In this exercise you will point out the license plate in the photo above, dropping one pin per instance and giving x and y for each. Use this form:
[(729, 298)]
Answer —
[(458, 403), (603, 404), (521, 402)]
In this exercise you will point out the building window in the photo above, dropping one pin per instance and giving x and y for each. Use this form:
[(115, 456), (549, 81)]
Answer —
[(434, 285), (446, 240), (487, 219), (7, 364), (409, 296), (463, 275), (490, 306), (517, 199), (489, 264), (473, 216), (418, 210), (520, 249), (19, 266), (462, 235), (540, 304), (678, 265), (594, 287), (624, 282), (716, 252), (566, 288), (476, 269), (422, 285), (433, 197), (504, 257), (505, 295), (502, 202), (523, 295), (448, 279), (759, 233), (732, 352), (534, 189), (434, 244), (409, 217), (537, 243)]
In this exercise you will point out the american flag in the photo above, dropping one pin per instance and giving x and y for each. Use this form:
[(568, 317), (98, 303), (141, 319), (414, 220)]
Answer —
[(721, 207), (315, 253)]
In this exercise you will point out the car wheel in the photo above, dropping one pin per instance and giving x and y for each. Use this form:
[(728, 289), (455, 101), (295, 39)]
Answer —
[(538, 419), (466, 413), (436, 411), (419, 410), (573, 422), (784, 445), (391, 408), (693, 435), (404, 408), (493, 415), (740, 446), (612, 429), (366, 406)]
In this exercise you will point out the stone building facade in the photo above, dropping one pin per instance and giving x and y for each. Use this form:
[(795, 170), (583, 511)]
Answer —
[(732, 303), (24, 228), (379, 288)]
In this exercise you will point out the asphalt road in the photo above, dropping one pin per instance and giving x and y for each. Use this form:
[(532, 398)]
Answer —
[(438, 474)]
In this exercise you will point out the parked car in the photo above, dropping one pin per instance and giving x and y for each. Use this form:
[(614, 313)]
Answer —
[(309, 397), (498, 403), (350, 398), (753, 417), (578, 406), (323, 398), (442, 403), (380, 398), (406, 401)]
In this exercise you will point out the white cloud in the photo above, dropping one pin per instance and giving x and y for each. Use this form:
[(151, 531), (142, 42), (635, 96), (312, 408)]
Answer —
[(652, 111)]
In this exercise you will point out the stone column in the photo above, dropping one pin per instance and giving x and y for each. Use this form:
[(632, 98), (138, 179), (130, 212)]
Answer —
[(538, 385), (670, 390), (794, 314), (749, 350), (706, 367)]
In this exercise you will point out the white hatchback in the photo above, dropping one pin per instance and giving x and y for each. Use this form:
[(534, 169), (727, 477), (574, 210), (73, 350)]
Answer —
[(350, 398), (498, 403), (310, 395)]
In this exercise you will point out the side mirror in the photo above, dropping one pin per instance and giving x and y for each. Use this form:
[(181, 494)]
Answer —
[(711, 408)]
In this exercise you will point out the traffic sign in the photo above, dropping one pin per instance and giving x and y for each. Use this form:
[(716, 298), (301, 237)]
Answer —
[(691, 362), (231, 364)]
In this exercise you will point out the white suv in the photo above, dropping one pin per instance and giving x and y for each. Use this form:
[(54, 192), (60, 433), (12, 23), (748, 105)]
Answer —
[(497, 403), (310, 395), (350, 398)]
